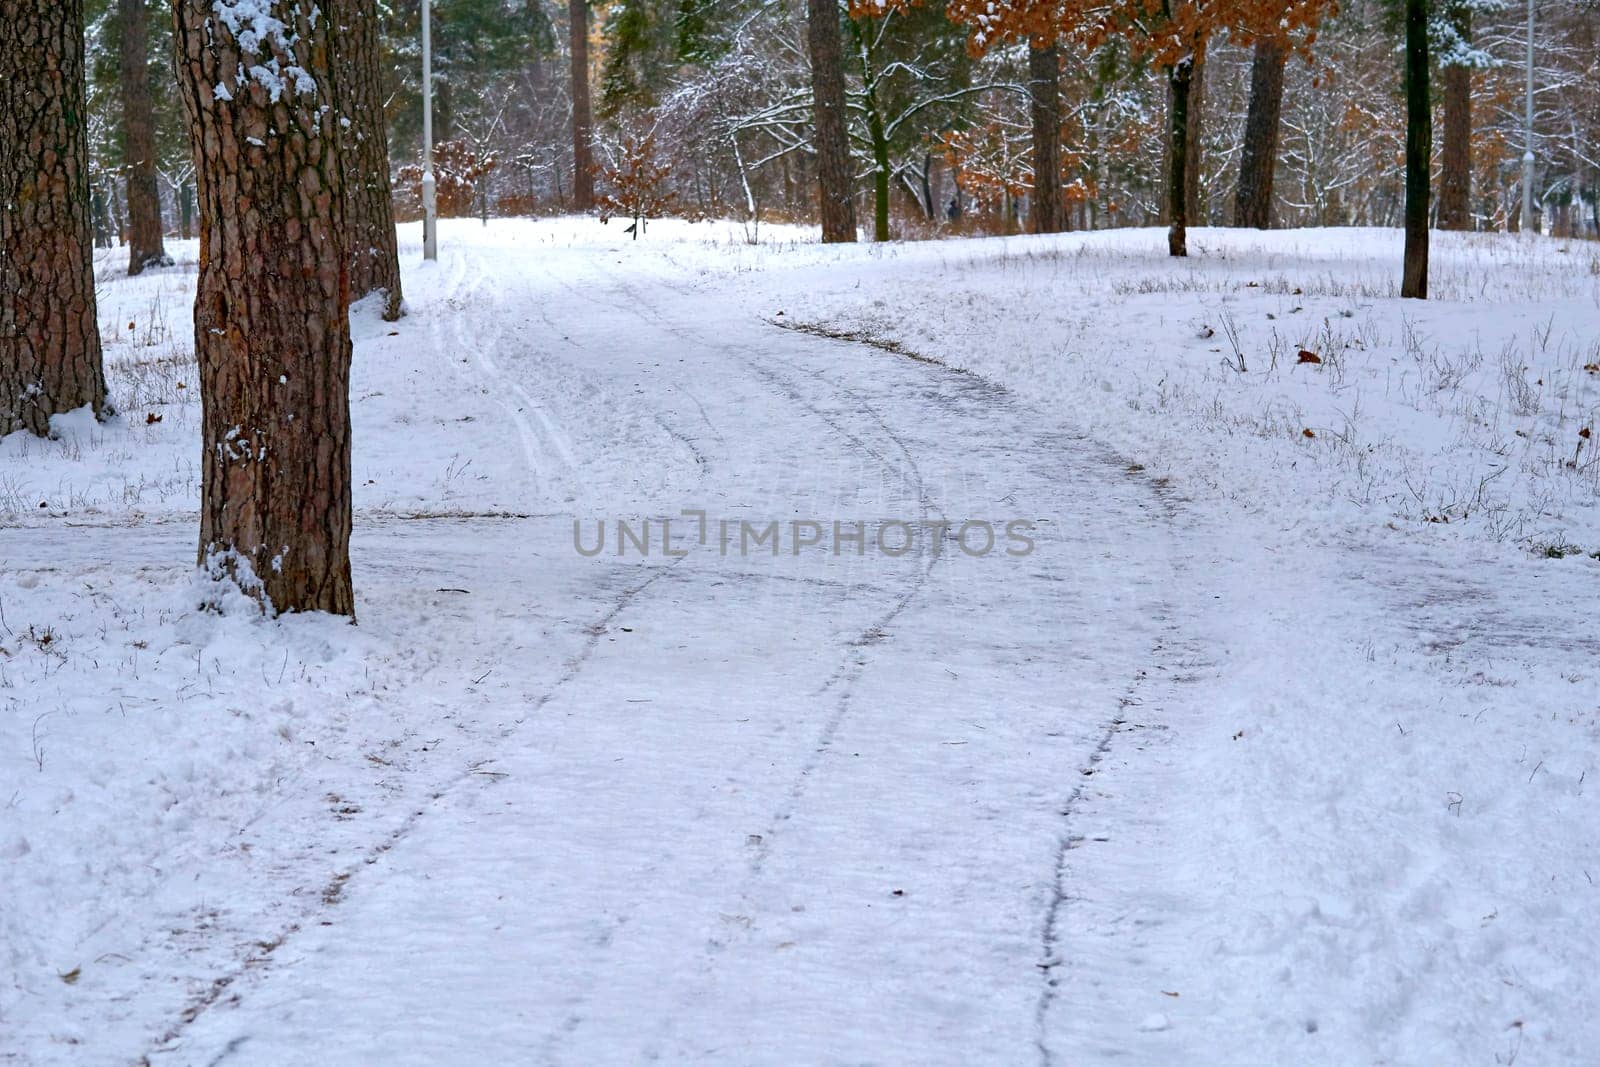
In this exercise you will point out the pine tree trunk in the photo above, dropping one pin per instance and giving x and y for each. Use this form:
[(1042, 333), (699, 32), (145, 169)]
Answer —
[(582, 114), (49, 341), (369, 222), (1044, 94), (1193, 209), (835, 174), (1455, 178), (272, 329), (1419, 149), (1252, 202), (139, 140), (1178, 78)]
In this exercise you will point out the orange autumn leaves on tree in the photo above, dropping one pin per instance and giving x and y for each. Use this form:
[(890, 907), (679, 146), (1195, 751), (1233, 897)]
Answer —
[(1165, 31), (637, 183)]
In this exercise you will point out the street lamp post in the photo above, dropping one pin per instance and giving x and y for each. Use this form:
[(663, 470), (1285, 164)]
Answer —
[(1527, 144), (430, 207)]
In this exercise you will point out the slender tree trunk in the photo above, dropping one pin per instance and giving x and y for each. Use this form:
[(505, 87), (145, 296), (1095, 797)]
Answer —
[(1455, 179), (1419, 150), (272, 328), (369, 223), (101, 216), (929, 207), (1193, 209), (1044, 94), (835, 174), (1252, 202), (881, 172), (139, 140), (1178, 78), (582, 114), (49, 341)]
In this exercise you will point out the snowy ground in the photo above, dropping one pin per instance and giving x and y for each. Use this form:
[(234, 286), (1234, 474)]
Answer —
[(1274, 747)]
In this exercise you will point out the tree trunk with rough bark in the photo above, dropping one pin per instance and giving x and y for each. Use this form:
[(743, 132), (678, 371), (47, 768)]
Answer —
[(835, 174), (1044, 95), (145, 248), (272, 328), (1178, 78), (49, 342), (1419, 149), (369, 222), (1455, 178), (582, 113), (1252, 201), (1194, 210)]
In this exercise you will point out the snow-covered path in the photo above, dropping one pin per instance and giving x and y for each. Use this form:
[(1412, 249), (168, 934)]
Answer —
[(1224, 768), (779, 808)]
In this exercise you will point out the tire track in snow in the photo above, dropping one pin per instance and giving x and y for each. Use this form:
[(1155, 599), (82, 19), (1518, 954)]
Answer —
[(254, 960), (856, 656), (1051, 936), (544, 448)]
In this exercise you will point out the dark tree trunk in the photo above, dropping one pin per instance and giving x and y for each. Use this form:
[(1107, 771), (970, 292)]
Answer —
[(1044, 94), (1178, 78), (272, 328), (1193, 209), (1455, 179), (582, 113), (1419, 148), (369, 222), (1252, 202), (139, 140), (49, 342), (835, 174)]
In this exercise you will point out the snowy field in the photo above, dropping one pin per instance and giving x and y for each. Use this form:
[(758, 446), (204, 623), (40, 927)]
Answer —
[(1273, 747)]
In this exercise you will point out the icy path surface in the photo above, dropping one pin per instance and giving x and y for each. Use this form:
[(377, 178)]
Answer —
[(795, 809), (1238, 765)]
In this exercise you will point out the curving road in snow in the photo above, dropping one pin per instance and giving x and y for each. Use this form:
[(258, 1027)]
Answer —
[(1227, 767), (777, 808)]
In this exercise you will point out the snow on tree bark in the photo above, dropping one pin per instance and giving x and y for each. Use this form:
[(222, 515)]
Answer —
[(1252, 204), (272, 329), (1044, 97), (835, 175), (145, 248), (369, 225), (50, 358)]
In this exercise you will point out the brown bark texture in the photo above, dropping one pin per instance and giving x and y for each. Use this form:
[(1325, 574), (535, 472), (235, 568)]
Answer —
[(272, 328), (1044, 94), (1455, 177), (369, 222), (49, 342), (1193, 209), (1252, 202), (582, 111), (835, 174), (145, 248), (1179, 80), (1419, 150)]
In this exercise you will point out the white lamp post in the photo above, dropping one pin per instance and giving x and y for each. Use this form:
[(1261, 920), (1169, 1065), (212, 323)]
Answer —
[(430, 207)]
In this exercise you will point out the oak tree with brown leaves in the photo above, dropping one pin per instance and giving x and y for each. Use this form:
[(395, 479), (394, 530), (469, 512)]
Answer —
[(1171, 34)]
